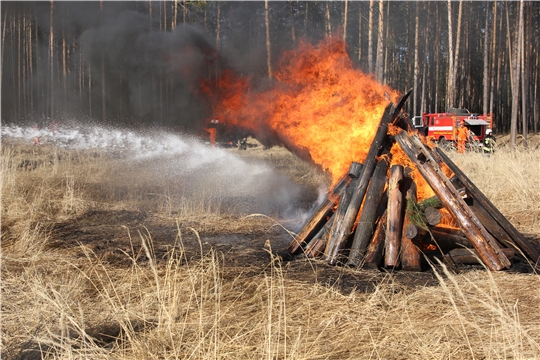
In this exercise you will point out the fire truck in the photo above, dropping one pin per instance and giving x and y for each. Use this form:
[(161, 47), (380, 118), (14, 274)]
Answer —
[(442, 127)]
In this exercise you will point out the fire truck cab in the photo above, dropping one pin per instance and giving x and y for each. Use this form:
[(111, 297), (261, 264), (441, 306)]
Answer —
[(442, 127)]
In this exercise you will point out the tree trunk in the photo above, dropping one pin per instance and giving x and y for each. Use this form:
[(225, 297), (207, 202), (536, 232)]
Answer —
[(525, 77), (416, 60), (493, 62), (268, 47), (380, 43), (370, 37), (218, 26), (345, 18), (536, 106), (456, 51), (51, 62), (437, 62), (184, 11), (450, 76), (516, 72), (293, 30), (175, 14), (359, 32), (327, 17), (486, 66)]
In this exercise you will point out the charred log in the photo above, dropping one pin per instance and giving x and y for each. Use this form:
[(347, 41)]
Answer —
[(374, 252), (394, 222), (483, 242), (342, 232), (433, 216), (319, 218), (470, 256), (332, 246), (365, 227), (410, 254), (476, 194)]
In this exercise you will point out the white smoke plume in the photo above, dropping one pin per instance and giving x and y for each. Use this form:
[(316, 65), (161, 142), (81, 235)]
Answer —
[(186, 160)]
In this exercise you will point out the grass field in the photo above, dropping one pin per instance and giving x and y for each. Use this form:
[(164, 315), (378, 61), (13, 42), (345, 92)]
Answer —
[(165, 294)]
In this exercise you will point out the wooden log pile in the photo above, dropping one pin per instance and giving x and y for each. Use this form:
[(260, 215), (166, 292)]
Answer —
[(371, 219)]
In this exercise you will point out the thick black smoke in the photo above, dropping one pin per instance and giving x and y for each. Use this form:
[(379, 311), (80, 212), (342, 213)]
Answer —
[(122, 63), (151, 70), (111, 62)]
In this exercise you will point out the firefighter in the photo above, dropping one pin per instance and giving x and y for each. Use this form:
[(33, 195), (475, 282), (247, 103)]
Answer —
[(243, 144), (37, 138), (489, 143), (462, 135)]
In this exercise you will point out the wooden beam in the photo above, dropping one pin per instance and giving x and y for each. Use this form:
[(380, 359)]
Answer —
[(470, 256), (374, 252), (410, 254), (319, 218), (482, 241), (394, 222), (390, 115), (491, 209), (365, 227), (332, 246)]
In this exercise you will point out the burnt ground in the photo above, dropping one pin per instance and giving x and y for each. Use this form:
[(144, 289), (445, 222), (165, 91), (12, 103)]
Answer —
[(115, 237)]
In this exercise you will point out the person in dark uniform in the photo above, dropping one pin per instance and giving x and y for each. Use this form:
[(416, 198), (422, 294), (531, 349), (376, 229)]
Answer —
[(243, 144), (489, 143)]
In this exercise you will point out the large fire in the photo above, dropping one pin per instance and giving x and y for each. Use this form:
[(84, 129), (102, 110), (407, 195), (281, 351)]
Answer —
[(318, 105)]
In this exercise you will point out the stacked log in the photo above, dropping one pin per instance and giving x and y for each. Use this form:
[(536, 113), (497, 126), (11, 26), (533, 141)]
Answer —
[(371, 219)]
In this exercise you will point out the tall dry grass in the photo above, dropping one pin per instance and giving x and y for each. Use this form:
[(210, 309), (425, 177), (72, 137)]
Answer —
[(57, 305), (511, 180)]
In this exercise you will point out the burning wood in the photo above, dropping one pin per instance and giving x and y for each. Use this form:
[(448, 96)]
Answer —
[(333, 246), (410, 254), (354, 226), (394, 220), (374, 251), (482, 241), (482, 200), (365, 226), (319, 217)]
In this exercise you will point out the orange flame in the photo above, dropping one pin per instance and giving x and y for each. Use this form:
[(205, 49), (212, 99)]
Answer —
[(319, 105), (423, 190), (447, 220)]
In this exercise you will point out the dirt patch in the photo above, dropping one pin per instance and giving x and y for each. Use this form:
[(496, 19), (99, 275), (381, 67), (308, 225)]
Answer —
[(116, 238)]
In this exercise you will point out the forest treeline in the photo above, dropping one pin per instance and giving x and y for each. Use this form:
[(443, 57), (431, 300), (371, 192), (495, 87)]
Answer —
[(138, 62)]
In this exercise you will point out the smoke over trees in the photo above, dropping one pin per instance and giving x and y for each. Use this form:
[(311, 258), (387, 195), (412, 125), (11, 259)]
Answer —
[(142, 62)]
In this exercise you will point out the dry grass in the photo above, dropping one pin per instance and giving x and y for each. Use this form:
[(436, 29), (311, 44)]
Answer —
[(511, 180), (56, 304)]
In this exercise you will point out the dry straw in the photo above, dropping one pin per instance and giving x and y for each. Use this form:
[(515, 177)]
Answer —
[(57, 304)]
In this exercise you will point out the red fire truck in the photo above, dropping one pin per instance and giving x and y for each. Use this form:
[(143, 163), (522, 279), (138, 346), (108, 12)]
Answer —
[(442, 127)]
